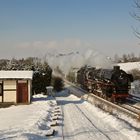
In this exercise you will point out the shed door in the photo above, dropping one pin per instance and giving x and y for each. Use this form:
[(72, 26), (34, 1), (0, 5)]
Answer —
[(22, 92)]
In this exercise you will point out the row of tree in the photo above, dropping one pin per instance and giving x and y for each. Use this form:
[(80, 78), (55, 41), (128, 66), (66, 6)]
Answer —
[(30, 63), (126, 58), (42, 72)]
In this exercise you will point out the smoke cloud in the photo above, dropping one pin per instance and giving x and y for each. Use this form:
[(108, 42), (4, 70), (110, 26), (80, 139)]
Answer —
[(66, 54), (76, 57)]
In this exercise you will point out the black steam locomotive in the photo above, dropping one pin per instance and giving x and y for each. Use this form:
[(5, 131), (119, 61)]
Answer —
[(111, 84)]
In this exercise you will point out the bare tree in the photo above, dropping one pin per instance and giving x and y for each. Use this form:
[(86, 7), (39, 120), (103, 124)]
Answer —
[(136, 15)]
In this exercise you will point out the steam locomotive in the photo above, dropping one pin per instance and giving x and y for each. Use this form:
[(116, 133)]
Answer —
[(113, 84)]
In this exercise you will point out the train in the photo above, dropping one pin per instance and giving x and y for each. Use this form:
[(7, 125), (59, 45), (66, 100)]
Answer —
[(112, 84)]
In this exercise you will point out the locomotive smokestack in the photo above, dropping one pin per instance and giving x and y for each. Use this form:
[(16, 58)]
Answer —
[(116, 68)]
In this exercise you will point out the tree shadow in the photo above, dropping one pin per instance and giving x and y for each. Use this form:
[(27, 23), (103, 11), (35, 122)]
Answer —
[(63, 93), (64, 102)]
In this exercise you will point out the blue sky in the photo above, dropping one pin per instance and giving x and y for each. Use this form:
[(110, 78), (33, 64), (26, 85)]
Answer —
[(35, 27)]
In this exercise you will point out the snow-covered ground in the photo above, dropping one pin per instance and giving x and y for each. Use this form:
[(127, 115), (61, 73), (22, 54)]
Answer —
[(77, 120), (26, 122), (135, 88), (83, 120)]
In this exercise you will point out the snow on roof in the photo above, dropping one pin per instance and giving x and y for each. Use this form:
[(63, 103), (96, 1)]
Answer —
[(16, 74), (129, 66)]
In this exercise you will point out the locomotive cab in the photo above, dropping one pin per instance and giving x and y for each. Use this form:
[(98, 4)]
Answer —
[(121, 82)]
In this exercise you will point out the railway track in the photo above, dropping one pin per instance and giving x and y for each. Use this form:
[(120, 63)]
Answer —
[(92, 123), (123, 108), (135, 98), (132, 108), (128, 109)]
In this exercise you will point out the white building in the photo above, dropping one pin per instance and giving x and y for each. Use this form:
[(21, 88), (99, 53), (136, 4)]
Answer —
[(15, 86)]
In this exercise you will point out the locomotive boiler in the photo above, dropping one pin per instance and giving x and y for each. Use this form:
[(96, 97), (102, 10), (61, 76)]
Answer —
[(111, 84)]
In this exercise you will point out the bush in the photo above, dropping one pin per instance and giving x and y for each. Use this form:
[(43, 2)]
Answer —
[(58, 84)]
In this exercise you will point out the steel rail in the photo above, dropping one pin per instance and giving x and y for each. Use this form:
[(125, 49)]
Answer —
[(114, 106), (105, 104), (92, 123)]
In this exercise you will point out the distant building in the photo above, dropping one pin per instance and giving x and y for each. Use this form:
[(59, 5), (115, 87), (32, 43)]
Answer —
[(15, 86)]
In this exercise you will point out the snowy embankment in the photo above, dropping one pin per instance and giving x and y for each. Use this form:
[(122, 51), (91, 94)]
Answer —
[(27, 121)]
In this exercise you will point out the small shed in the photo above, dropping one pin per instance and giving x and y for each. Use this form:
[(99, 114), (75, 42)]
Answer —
[(15, 86)]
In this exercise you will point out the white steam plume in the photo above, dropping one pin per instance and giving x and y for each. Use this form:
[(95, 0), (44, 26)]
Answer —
[(77, 59)]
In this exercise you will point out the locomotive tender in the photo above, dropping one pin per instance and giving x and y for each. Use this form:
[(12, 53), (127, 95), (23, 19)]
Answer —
[(111, 84)]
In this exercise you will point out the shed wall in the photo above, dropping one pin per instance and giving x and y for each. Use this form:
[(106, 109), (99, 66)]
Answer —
[(29, 91), (9, 96), (9, 91), (9, 85), (0, 98)]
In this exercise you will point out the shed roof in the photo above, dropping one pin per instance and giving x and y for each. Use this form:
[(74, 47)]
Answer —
[(16, 74)]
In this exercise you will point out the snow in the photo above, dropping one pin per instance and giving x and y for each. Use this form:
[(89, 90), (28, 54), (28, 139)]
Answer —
[(16, 74), (129, 66), (76, 120), (135, 88), (26, 121)]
